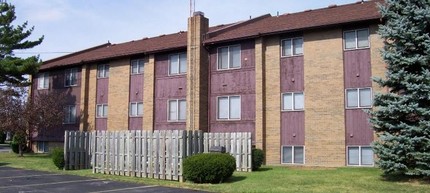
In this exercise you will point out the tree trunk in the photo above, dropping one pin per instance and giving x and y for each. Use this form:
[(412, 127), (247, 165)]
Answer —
[(20, 150)]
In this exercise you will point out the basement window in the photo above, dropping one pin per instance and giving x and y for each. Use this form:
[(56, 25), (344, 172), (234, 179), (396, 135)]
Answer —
[(293, 154), (229, 57), (360, 156)]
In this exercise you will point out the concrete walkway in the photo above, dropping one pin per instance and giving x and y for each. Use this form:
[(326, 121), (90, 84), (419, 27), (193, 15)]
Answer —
[(5, 148)]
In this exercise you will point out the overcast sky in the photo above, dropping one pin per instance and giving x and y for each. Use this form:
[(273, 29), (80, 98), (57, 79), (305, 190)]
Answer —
[(73, 25)]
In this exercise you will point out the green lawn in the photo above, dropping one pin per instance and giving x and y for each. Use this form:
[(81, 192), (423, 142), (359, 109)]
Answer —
[(269, 179)]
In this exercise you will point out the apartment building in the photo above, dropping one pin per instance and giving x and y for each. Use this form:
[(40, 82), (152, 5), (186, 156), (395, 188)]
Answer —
[(299, 82)]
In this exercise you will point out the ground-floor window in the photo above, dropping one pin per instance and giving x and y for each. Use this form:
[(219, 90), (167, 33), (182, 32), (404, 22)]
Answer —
[(360, 156), (42, 147), (293, 154)]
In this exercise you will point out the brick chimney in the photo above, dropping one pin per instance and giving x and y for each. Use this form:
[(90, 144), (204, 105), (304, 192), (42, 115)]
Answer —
[(197, 73)]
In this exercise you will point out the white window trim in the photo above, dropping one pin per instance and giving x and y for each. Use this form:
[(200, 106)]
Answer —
[(356, 39), (102, 105), (177, 108), (359, 156), (179, 64), (139, 61), (294, 109), (292, 47), (358, 98), (68, 109), (292, 156), (45, 77), (70, 71), (104, 68), (228, 66), (228, 108), (137, 104)]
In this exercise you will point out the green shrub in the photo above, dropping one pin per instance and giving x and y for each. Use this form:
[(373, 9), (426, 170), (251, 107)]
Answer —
[(16, 140), (209, 167), (57, 155), (257, 158)]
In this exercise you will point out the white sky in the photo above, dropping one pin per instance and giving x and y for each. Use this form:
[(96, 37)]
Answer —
[(73, 25)]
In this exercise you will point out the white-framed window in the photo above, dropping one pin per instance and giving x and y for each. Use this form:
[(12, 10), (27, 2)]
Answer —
[(229, 108), (292, 47), (356, 39), (229, 57), (102, 71), (177, 64), (70, 114), (101, 110), (360, 156), (43, 81), (177, 110), (137, 66), (136, 109), (42, 147), (71, 77), (293, 101), (358, 98), (293, 155)]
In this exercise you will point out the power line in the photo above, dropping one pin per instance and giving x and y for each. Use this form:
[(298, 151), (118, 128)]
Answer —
[(42, 52)]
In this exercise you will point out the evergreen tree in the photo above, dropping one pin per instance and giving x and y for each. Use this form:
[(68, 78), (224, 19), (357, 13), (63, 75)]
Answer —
[(401, 116), (13, 38)]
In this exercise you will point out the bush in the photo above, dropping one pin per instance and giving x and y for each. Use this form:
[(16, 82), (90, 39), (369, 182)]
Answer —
[(209, 167), (16, 140), (257, 158), (57, 155)]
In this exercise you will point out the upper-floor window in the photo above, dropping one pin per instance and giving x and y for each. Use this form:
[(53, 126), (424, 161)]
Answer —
[(102, 71), (177, 110), (229, 107), (102, 110), (71, 77), (293, 101), (177, 64), (292, 47), (70, 114), (359, 98), (229, 57), (137, 66), (43, 81), (136, 109), (355, 39)]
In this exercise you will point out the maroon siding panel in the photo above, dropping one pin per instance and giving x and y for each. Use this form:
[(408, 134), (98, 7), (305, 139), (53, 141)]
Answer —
[(167, 87), (293, 128), (292, 74), (101, 123), (135, 123), (358, 128), (239, 82), (136, 88), (357, 68), (102, 91)]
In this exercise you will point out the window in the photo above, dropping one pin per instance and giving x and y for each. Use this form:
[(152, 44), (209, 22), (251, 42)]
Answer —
[(178, 64), (177, 110), (292, 47), (356, 39), (71, 77), (229, 57), (293, 154), (229, 107), (70, 114), (359, 98), (137, 66), (102, 110), (43, 81), (103, 71), (136, 109), (360, 156), (42, 147), (293, 101)]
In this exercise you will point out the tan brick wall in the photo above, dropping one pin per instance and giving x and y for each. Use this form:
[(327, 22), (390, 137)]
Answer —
[(377, 63), (148, 93), (197, 75), (273, 100), (85, 74), (259, 93), (92, 89), (119, 86), (324, 98)]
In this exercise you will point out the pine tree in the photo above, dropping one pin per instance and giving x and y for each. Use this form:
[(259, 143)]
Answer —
[(401, 116), (12, 38)]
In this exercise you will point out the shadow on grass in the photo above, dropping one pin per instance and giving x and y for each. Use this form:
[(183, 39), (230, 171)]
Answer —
[(263, 169), (234, 179), (405, 178), (3, 164)]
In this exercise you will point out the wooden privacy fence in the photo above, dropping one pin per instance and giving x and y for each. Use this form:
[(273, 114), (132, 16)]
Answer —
[(77, 150), (153, 154)]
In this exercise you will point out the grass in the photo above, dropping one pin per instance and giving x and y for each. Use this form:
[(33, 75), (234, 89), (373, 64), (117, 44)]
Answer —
[(268, 179)]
